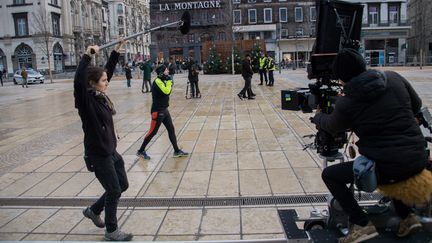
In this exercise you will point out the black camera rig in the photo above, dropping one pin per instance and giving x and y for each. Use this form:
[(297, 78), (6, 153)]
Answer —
[(338, 26)]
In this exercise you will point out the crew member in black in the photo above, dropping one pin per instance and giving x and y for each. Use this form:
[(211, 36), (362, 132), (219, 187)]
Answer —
[(247, 73), (161, 90), (380, 108), (96, 112)]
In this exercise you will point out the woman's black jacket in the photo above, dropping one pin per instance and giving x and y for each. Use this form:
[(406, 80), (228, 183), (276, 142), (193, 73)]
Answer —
[(95, 114), (380, 108)]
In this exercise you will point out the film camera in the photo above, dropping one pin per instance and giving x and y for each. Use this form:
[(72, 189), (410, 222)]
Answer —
[(338, 26)]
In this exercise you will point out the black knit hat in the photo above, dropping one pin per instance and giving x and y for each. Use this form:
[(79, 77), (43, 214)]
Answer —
[(160, 69), (348, 64)]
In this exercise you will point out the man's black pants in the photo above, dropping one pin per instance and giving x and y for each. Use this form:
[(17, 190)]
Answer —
[(194, 88), (336, 177), (111, 173), (247, 87)]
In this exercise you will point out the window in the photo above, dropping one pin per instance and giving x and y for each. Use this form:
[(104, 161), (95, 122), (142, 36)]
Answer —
[(298, 13), (284, 33), (268, 35), (191, 38), (21, 24), (373, 15), (299, 31), (251, 1), (119, 8), (312, 12), (252, 16), (283, 15), (254, 35), (237, 16), (268, 15), (312, 30), (120, 21), (236, 1), (17, 2), (393, 15), (222, 36), (55, 24), (24, 55)]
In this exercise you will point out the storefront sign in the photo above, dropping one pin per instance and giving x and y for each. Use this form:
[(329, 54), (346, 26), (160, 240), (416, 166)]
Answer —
[(189, 5)]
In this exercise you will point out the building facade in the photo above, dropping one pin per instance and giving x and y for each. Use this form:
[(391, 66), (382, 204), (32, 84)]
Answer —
[(35, 30), (209, 21), (384, 32), (128, 17), (288, 27), (420, 35), (30, 31)]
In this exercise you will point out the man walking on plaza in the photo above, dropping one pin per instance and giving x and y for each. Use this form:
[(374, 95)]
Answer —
[(263, 69), (247, 73)]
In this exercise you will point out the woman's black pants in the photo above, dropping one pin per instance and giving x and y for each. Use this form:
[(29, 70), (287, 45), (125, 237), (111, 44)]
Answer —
[(111, 173)]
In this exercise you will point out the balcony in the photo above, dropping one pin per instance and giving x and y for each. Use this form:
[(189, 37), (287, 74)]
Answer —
[(403, 23)]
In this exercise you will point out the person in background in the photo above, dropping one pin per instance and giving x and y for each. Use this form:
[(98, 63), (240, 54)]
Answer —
[(247, 73), (147, 68), (1, 77), (161, 91), (172, 68), (24, 77), (128, 73), (263, 69), (270, 67), (96, 111), (194, 70)]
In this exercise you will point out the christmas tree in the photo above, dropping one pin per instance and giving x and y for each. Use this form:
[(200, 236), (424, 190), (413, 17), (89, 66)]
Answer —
[(214, 62), (237, 62), (255, 56)]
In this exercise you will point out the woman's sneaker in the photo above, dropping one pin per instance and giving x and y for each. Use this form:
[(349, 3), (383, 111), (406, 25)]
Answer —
[(408, 226), (88, 213), (143, 155), (118, 235), (359, 233), (180, 153)]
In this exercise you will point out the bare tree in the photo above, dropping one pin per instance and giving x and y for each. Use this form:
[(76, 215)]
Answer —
[(43, 36)]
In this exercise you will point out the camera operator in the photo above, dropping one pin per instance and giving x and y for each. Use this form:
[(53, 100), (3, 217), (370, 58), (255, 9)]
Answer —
[(380, 108)]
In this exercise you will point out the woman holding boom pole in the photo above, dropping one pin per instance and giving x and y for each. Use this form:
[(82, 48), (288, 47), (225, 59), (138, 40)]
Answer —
[(96, 111)]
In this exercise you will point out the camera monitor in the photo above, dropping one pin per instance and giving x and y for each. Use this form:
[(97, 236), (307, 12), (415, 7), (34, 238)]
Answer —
[(338, 26)]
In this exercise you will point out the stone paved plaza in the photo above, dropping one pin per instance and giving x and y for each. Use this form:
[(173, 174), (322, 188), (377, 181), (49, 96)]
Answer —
[(239, 149)]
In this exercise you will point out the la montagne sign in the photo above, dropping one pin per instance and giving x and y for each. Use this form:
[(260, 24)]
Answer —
[(190, 5)]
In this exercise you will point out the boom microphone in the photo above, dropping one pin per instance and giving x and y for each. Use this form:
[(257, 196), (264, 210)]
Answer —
[(184, 27)]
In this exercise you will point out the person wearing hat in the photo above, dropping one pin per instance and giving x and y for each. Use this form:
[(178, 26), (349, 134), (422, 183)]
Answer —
[(161, 90), (380, 108)]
